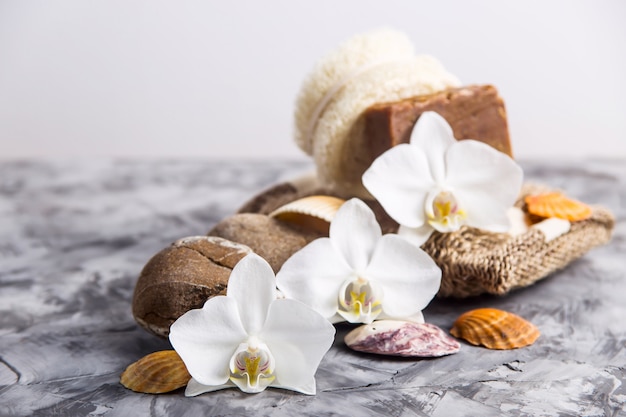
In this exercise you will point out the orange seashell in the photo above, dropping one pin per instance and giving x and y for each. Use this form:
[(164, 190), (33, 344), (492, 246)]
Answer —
[(312, 213), (156, 373), (494, 329), (557, 205)]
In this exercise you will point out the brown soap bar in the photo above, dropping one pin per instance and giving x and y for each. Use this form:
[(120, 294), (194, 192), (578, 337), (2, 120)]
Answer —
[(474, 112)]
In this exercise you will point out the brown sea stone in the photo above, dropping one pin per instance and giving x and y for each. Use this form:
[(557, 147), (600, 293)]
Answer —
[(280, 194), (182, 277), (270, 199), (273, 240)]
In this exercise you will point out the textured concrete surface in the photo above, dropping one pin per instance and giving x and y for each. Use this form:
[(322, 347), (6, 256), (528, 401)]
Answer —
[(74, 237)]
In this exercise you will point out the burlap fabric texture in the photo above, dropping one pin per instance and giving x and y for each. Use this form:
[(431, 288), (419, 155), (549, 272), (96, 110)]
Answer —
[(473, 261)]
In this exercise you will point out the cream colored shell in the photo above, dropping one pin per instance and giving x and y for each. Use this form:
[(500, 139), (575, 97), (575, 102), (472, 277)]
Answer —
[(314, 212)]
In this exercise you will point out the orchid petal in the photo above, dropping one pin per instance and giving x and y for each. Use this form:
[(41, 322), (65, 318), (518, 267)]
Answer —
[(307, 387), (253, 285), (415, 318), (206, 338), (298, 337), (433, 135), (408, 276), (400, 180), (195, 388), (354, 232), (314, 275), (416, 235), (485, 182), (337, 318)]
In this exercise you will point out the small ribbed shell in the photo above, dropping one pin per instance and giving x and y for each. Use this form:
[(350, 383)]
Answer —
[(557, 205), (494, 329), (312, 213), (156, 373)]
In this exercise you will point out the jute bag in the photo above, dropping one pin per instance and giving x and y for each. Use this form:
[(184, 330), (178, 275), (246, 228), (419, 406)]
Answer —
[(476, 262)]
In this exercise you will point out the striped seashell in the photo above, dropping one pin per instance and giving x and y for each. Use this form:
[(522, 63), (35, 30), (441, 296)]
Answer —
[(557, 205), (402, 338), (156, 373), (312, 213), (495, 329)]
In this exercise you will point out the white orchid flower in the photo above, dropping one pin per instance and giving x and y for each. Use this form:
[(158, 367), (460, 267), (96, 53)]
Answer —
[(249, 339), (438, 183), (357, 274)]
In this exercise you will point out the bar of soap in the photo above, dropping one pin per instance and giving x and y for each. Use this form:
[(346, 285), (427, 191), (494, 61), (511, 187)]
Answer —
[(474, 112)]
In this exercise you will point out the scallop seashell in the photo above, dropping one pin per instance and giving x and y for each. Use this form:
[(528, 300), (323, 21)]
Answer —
[(156, 373), (401, 338), (495, 329), (557, 205), (313, 212)]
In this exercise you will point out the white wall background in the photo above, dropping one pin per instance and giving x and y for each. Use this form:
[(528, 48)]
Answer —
[(150, 78)]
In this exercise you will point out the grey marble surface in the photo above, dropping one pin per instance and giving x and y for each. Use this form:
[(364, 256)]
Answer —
[(74, 236)]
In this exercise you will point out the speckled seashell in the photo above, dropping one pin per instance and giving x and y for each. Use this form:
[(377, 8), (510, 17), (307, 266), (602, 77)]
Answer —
[(156, 373), (312, 213), (401, 338), (557, 205), (495, 329)]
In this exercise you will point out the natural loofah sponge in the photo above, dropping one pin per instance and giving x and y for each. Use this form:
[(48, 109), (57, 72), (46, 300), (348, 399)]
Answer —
[(365, 70)]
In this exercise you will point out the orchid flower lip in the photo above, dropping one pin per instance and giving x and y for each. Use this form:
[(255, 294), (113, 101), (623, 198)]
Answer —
[(445, 213), (360, 300), (252, 366)]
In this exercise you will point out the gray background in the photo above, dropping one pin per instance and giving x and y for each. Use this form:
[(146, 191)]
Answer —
[(74, 237), (194, 78)]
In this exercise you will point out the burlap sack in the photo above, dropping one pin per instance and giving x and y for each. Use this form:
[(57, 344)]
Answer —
[(473, 261)]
